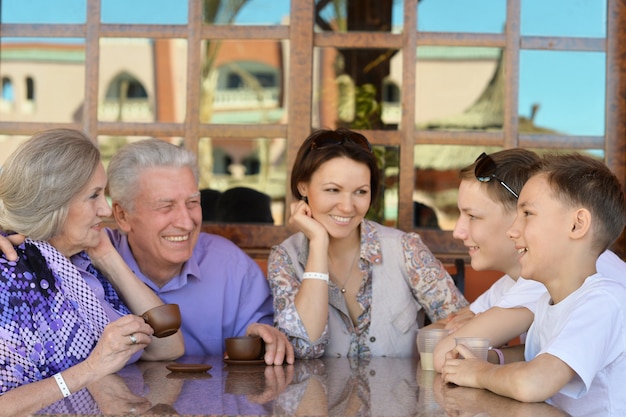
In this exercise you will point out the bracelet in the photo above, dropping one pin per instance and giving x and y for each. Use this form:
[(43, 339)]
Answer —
[(499, 353), (62, 385), (315, 275)]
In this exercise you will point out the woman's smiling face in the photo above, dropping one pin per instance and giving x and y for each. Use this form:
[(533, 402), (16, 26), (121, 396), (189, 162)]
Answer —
[(339, 195), (87, 209)]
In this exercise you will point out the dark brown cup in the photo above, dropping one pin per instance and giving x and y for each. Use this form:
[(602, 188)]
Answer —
[(244, 348), (164, 319)]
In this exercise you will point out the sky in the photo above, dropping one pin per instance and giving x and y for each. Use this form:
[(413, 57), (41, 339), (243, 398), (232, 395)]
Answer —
[(569, 86)]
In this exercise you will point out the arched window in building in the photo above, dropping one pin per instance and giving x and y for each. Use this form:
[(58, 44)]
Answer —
[(125, 86), (391, 92), (30, 89), (247, 75), (392, 111), (8, 94), (126, 99)]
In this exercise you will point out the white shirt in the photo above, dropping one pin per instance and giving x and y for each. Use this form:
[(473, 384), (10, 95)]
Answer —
[(509, 293), (587, 330)]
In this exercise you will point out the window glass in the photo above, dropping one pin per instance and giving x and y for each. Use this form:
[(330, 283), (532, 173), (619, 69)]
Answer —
[(585, 18), (349, 91), (46, 80), (144, 11), (385, 210), (142, 80), (255, 168), (484, 16), (437, 182), (8, 144), (250, 12), (459, 88), (370, 16), (562, 92), (8, 95), (43, 11), (243, 81), (436, 170)]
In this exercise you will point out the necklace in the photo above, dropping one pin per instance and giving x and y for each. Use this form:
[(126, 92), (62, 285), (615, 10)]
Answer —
[(345, 281)]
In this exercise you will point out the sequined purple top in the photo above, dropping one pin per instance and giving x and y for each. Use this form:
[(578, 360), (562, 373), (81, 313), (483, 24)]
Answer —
[(53, 310)]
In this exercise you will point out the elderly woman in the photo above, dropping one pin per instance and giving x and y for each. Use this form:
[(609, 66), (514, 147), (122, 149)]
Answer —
[(65, 304)]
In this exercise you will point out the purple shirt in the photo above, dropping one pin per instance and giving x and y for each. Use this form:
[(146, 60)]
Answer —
[(220, 291), (53, 310)]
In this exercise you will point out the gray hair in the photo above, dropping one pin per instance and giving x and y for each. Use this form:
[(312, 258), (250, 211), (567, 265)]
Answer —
[(39, 180), (127, 164)]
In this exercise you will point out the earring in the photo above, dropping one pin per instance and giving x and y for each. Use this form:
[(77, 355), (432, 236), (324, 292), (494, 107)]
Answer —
[(305, 198)]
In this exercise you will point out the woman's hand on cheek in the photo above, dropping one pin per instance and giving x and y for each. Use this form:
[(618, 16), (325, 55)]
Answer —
[(99, 253), (302, 218)]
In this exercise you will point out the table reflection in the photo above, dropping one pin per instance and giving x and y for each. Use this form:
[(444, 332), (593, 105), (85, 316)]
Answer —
[(333, 387)]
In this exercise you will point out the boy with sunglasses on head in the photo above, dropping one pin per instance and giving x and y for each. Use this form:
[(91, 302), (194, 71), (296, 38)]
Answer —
[(569, 212), (487, 202)]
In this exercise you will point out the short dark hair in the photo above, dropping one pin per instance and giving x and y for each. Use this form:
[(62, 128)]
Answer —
[(512, 167), (349, 144), (581, 180)]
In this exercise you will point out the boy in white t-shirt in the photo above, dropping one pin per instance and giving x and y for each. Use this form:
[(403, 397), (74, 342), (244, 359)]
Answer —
[(569, 212), (487, 203)]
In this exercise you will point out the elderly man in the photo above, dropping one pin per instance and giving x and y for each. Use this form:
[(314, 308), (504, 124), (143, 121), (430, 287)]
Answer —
[(221, 291)]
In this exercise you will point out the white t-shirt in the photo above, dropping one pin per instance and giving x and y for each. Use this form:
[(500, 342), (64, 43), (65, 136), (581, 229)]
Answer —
[(508, 293), (587, 330)]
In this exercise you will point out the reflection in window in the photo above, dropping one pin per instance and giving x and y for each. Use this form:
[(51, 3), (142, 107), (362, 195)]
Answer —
[(459, 88), (7, 90), (352, 86), (126, 99), (392, 110), (257, 164), (562, 91), (7, 97), (357, 15), (30, 89), (248, 12), (436, 170), (126, 86), (243, 82), (385, 210)]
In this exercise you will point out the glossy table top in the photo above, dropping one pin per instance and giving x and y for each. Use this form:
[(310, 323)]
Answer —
[(329, 386)]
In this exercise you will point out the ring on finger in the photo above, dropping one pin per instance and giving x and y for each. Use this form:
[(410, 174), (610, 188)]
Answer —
[(133, 339)]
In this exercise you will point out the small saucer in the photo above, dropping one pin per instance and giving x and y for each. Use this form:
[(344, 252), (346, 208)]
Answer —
[(247, 363), (188, 367)]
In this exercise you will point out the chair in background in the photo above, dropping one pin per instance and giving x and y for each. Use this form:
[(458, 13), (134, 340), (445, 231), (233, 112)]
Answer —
[(244, 205), (208, 200), (459, 275)]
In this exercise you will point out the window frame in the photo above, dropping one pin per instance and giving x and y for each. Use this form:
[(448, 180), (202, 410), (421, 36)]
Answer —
[(303, 39)]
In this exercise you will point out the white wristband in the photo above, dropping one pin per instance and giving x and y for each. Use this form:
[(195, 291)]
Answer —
[(315, 275), (500, 355), (62, 385)]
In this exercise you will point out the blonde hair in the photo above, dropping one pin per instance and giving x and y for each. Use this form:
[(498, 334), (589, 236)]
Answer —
[(39, 180)]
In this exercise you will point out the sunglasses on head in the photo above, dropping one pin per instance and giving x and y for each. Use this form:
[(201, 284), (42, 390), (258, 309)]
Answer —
[(485, 170), (324, 141)]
